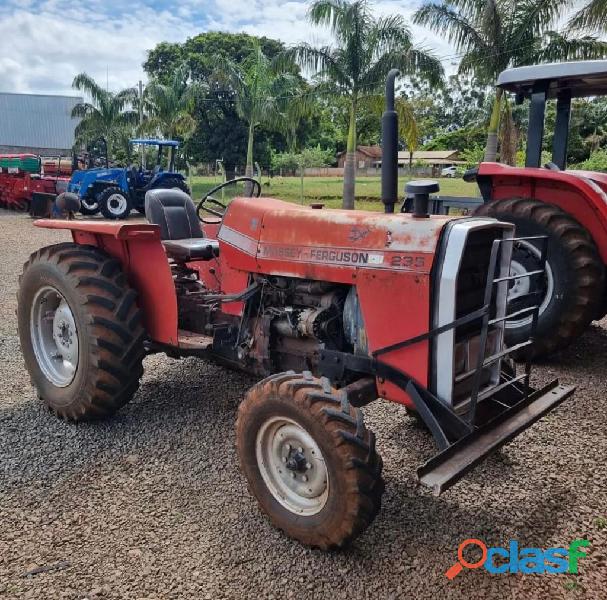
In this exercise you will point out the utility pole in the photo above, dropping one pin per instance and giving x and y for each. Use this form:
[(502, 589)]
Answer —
[(141, 148)]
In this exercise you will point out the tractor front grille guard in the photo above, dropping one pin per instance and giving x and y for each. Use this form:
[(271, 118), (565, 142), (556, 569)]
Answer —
[(445, 424)]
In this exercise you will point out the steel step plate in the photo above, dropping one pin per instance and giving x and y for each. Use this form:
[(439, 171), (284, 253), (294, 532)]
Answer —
[(447, 467)]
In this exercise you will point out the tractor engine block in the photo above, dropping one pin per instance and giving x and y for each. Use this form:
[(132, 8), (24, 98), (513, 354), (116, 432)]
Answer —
[(304, 316)]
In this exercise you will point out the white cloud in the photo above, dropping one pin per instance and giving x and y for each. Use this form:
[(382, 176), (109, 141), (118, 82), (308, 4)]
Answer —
[(45, 43)]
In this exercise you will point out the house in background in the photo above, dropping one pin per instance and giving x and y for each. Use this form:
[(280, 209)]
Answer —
[(426, 162), (437, 159), (366, 157), (37, 124), (423, 162)]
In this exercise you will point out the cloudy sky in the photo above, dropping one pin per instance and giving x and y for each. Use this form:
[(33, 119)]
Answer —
[(44, 43)]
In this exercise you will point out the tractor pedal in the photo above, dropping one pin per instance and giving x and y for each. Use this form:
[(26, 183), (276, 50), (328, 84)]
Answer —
[(189, 340), (449, 466)]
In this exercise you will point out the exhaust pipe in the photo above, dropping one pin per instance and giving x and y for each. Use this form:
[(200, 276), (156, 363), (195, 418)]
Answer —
[(389, 144)]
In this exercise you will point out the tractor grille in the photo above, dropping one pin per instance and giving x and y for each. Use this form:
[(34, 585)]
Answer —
[(472, 277), (471, 283), (459, 290)]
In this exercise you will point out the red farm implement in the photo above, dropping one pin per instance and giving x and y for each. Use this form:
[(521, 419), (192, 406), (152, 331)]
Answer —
[(21, 176)]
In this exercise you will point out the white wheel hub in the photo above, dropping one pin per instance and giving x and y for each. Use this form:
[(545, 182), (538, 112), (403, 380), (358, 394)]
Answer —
[(54, 336), (117, 204), (522, 286), (292, 466)]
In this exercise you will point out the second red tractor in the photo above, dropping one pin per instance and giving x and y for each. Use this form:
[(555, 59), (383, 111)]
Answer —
[(568, 207)]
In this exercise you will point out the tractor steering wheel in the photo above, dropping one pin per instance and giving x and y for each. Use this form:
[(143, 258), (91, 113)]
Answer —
[(253, 191)]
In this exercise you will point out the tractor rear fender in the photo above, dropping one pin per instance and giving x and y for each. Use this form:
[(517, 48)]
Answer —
[(578, 196), (137, 246)]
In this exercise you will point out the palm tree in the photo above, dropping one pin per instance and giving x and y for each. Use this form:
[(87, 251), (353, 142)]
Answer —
[(494, 36), (262, 90), (106, 115), (365, 49), (592, 17), (169, 105)]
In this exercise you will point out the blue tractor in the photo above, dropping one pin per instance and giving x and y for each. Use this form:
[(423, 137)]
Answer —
[(115, 191)]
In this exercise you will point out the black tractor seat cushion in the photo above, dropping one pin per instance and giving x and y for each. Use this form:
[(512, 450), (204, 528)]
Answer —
[(174, 212), (191, 249)]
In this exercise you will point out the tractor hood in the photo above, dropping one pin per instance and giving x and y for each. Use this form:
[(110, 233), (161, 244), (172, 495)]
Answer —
[(104, 174), (272, 230), (81, 180)]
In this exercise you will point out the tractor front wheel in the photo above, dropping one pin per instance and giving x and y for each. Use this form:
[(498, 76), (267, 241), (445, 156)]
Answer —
[(571, 289), (80, 331), (114, 203), (309, 460), (89, 206)]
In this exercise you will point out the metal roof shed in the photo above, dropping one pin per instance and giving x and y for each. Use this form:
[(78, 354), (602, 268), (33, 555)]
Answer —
[(41, 124)]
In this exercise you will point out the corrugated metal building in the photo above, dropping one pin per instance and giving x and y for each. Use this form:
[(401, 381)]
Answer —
[(39, 124)]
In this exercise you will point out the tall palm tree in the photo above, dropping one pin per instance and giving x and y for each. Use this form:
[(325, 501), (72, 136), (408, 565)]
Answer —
[(365, 49), (593, 16), (169, 105), (262, 90), (106, 115), (494, 35)]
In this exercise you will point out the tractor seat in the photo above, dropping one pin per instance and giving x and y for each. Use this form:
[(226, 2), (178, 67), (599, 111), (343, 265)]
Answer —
[(174, 212)]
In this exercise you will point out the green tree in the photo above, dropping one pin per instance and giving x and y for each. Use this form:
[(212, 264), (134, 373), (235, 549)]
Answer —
[(593, 16), (219, 131), (169, 105), (494, 36), (163, 60), (106, 116), (459, 139), (262, 91), (597, 161), (366, 48)]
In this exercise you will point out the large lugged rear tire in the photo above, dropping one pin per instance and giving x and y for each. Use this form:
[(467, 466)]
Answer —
[(173, 183), (309, 460), (80, 330), (574, 284)]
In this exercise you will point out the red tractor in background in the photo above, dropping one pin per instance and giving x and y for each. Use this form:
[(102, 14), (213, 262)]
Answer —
[(331, 309), (568, 207)]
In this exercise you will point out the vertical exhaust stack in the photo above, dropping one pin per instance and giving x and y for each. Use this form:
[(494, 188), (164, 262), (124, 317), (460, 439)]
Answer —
[(389, 142)]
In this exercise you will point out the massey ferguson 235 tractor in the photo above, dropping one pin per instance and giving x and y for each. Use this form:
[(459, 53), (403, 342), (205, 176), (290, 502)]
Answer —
[(331, 309), (569, 207)]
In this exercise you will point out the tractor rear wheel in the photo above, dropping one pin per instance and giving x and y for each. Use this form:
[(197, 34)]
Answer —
[(114, 203), (309, 460), (571, 290), (173, 183), (80, 331)]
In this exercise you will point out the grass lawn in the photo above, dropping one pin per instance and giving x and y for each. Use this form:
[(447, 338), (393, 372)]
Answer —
[(329, 189)]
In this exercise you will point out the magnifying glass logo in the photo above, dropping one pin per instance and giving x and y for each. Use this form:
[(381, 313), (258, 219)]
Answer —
[(461, 562)]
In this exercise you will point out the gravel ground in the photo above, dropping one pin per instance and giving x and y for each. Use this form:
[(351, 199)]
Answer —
[(151, 504)]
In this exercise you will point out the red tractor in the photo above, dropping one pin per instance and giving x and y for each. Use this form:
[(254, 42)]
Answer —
[(331, 309), (568, 207)]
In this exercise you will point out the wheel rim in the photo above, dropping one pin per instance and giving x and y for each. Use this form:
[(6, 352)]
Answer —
[(523, 285), (90, 205), (54, 336), (292, 466), (116, 204)]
